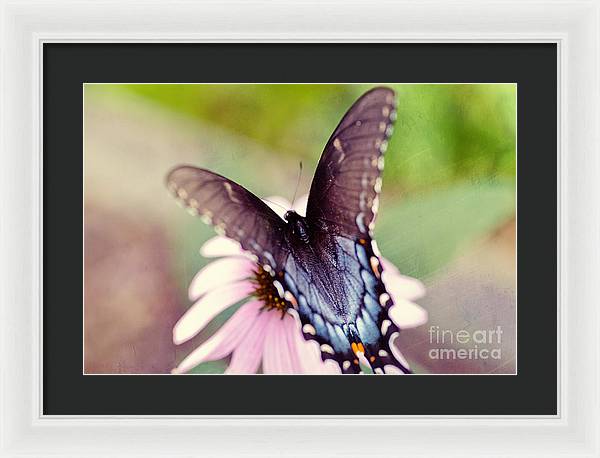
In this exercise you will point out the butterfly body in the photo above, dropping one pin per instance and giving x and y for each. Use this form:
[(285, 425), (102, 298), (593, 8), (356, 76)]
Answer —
[(298, 226), (324, 265)]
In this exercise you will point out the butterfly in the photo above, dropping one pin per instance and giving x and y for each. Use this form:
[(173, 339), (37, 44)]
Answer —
[(325, 266)]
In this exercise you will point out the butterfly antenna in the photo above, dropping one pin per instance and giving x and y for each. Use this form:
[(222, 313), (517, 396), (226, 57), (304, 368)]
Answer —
[(297, 184)]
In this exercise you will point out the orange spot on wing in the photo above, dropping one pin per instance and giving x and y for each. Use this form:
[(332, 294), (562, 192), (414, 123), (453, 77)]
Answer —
[(357, 347)]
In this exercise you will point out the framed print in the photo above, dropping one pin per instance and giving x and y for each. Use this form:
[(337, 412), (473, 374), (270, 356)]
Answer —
[(381, 235)]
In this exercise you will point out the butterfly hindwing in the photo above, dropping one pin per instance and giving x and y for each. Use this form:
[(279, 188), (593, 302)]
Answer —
[(375, 327), (354, 322), (233, 211), (319, 315)]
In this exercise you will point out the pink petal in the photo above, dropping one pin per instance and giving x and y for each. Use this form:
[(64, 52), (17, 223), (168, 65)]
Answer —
[(273, 353), (224, 341), (388, 265), (406, 314), (300, 204), (309, 354), (278, 204), (291, 333), (402, 287), (221, 246), (219, 273), (310, 357), (207, 307), (287, 353), (331, 367), (396, 352), (389, 369), (283, 351), (308, 350), (246, 357)]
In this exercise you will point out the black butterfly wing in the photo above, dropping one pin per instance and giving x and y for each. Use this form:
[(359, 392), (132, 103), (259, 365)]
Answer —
[(233, 211), (350, 313), (315, 296), (375, 328), (342, 207), (345, 188)]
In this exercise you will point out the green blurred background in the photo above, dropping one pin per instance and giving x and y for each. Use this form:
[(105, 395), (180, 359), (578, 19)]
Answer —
[(447, 213)]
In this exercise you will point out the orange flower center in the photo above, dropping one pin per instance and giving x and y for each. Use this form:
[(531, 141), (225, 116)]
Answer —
[(266, 291)]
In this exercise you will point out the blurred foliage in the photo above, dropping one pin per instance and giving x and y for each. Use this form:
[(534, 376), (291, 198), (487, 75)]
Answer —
[(421, 234), (444, 132), (210, 367)]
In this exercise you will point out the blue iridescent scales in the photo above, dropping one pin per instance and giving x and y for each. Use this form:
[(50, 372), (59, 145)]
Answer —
[(325, 266), (351, 321)]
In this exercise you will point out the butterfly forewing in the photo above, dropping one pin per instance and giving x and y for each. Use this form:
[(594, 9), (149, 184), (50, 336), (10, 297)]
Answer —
[(233, 210), (344, 194)]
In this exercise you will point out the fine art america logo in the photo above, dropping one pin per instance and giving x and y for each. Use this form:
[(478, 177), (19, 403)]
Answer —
[(480, 344)]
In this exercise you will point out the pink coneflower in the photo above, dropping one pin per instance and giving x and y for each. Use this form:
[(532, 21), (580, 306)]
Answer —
[(261, 333)]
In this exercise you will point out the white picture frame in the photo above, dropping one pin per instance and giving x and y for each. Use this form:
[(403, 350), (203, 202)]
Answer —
[(573, 25)]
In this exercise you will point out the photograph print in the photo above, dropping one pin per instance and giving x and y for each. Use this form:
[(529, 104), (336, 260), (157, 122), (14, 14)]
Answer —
[(290, 229)]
